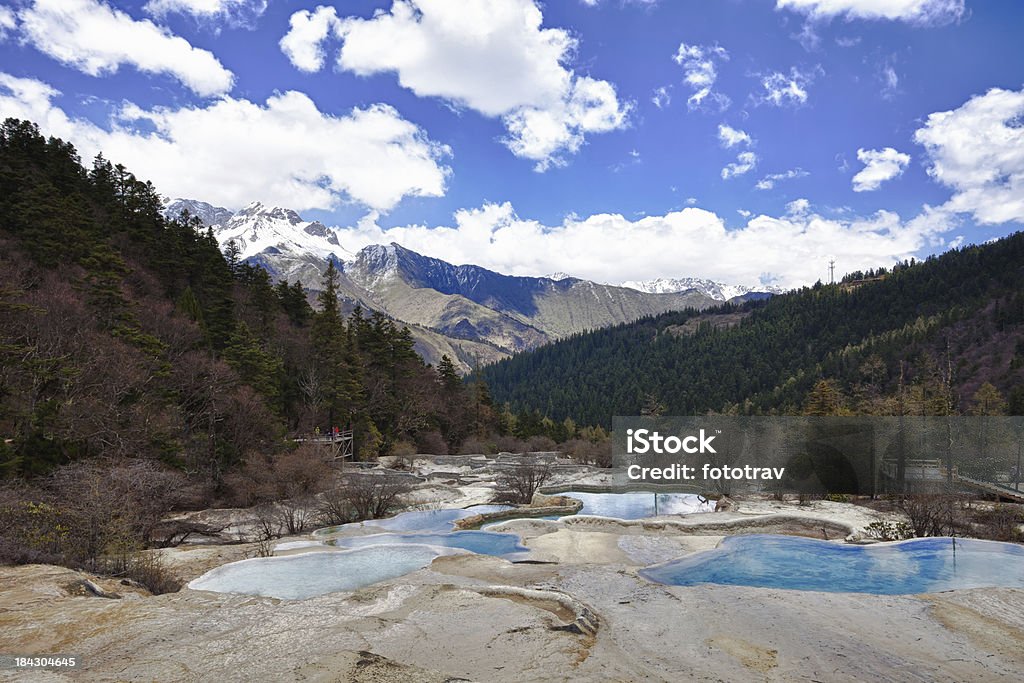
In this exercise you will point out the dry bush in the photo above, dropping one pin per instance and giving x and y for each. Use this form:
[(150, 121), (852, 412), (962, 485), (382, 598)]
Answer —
[(30, 529), (474, 446), (432, 443), (540, 444), (510, 444), (370, 496), (268, 527), (517, 483), (587, 452), (261, 478), (933, 514), (334, 508), (298, 513), (110, 508), (403, 449), (149, 570), (1000, 523)]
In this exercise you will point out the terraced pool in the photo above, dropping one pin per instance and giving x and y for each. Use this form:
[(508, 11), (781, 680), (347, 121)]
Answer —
[(922, 565)]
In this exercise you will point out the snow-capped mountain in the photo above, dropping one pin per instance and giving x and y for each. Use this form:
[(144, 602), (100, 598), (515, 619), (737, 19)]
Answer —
[(709, 288), (467, 312), (269, 236), (260, 229), (211, 216)]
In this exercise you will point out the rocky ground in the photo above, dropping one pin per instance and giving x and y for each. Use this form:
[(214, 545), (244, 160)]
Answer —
[(577, 612)]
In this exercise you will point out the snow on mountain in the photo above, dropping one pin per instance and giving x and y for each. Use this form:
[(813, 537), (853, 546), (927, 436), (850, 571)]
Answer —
[(211, 216), (374, 265), (558, 277), (709, 288), (259, 229)]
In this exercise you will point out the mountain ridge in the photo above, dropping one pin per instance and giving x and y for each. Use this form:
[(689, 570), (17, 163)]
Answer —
[(450, 308)]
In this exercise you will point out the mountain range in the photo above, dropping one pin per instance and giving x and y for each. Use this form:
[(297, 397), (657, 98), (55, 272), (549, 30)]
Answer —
[(474, 315)]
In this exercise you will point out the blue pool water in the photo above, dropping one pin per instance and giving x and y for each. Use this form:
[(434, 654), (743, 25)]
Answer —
[(296, 577), (480, 542), (404, 543), (917, 566), (418, 520), (640, 504)]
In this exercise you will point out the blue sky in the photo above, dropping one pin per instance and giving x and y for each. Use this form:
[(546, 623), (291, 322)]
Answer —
[(742, 140)]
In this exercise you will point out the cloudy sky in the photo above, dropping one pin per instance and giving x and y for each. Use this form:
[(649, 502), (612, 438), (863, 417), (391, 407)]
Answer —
[(743, 140)]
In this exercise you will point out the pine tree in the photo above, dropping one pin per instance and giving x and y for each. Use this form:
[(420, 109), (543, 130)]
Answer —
[(258, 368), (331, 346)]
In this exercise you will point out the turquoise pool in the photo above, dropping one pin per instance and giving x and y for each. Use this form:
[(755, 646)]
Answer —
[(640, 504), (480, 542), (296, 577), (437, 521), (922, 565)]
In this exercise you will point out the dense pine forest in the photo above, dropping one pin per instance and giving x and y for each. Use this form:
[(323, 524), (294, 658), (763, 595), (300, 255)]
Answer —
[(942, 336)]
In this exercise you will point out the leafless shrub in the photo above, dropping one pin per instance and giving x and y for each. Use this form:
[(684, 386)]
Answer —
[(263, 478), (296, 514), (267, 528), (149, 570), (370, 496), (588, 452), (334, 508), (510, 444), (1000, 523), (933, 514), (541, 444), (109, 509), (517, 483), (432, 443), (474, 446)]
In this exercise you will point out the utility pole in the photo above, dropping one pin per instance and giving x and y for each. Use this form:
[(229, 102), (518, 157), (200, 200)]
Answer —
[(832, 272)]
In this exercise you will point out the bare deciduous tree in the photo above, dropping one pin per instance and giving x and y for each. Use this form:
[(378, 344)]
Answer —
[(518, 482), (372, 496)]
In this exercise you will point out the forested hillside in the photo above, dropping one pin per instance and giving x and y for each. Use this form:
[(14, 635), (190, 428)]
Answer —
[(127, 335), (950, 326)]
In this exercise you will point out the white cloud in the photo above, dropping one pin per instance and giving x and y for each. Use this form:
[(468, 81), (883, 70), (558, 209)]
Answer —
[(794, 248), (781, 89), (912, 11), (700, 71), (890, 82), (880, 165), (730, 137), (233, 151), (977, 150), (7, 21), (235, 11), (745, 162), (662, 97), (768, 182), (303, 44), (97, 39), (492, 56)]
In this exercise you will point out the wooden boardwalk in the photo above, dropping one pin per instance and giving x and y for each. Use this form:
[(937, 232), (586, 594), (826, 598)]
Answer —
[(1001, 492)]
